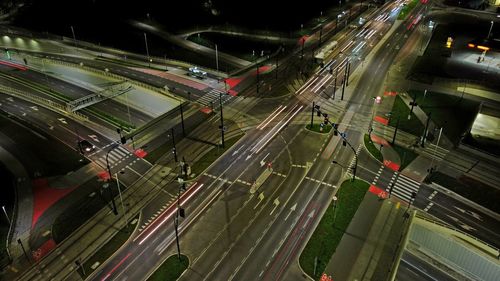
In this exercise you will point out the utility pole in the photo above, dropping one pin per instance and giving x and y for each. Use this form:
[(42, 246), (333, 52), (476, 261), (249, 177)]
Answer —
[(395, 131), (258, 82), (312, 115), (107, 185), (147, 49), (348, 69), (343, 88), (302, 50), (334, 86), (182, 121), (174, 150), (216, 57), (74, 37), (24, 250), (424, 136), (221, 121), (412, 103)]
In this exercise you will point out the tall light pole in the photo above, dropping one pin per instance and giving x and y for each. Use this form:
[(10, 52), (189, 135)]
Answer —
[(106, 185), (435, 148), (74, 37), (489, 32), (174, 149), (147, 49), (222, 129), (7, 216), (216, 57), (334, 208), (121, 199)]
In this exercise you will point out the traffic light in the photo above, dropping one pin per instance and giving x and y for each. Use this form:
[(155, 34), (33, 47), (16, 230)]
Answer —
[(335, 131), (318, 113), (326, 121), (182, 213), (344, 143), (123, 140), (331, 70)]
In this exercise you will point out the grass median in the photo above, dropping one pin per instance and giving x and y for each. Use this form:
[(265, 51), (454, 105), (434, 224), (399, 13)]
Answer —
[(328, 233), (405, 11), (212, 155), (401, 110), (317, 128), (370, 146), (171, 269), (108, 249)]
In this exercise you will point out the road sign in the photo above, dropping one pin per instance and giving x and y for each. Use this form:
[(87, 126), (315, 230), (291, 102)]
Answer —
[(344, 135)]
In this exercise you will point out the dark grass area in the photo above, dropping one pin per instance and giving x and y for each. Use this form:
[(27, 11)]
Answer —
[(108, 249), (406, 155), (81, 211), (241, 47), (471, 189), (328, 233), (170, 269), (370, 146), (7, 200), (212, 155), (453, 113), (401, 110), (39, 152), (317, 128), (405, 11)]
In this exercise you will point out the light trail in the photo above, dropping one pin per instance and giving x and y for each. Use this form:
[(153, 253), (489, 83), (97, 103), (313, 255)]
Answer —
[(276, 115), (258, 127)]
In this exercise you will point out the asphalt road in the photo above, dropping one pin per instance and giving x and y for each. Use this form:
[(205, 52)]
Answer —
[(223, 246)]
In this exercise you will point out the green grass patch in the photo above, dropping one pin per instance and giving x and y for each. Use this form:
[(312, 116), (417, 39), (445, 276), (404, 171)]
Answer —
[(474, 190), (453, 113), (405, 11), (317, 128), (108, 249), (206, 160), (406, 155), (370, 146), (327, 235), (401, 110), (171, 269)]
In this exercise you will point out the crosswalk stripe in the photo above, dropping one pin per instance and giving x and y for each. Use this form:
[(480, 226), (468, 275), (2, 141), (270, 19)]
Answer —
[(113, 158), (406, 179), (101, 162)]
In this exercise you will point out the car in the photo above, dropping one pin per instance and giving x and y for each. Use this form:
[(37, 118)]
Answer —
[(85, 146)]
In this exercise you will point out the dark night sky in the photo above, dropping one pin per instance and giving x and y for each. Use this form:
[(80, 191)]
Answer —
[(56, 15)]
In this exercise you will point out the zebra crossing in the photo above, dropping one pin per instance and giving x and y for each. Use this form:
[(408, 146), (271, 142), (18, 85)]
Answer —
[(403, 187), (116, 156), (211, 98)]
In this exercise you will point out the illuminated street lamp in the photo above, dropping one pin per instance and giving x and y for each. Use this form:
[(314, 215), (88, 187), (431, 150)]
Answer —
[(489, 32)]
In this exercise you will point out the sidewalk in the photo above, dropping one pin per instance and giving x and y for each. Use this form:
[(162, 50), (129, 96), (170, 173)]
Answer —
[(366, 248)]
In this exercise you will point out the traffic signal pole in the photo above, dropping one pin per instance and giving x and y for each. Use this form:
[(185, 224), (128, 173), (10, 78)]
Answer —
[(222, 120)]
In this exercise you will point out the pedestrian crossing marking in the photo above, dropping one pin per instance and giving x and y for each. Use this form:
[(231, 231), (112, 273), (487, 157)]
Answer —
[(403, 187), (212, 98)]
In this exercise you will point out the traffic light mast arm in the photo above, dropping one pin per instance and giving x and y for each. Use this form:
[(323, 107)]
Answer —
[(342, 135)]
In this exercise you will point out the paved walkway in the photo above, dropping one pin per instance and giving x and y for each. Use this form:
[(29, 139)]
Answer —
[(367, 247)]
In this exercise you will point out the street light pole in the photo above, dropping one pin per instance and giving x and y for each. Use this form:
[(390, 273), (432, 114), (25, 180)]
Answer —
[(334, 208), (74, 37), (173, 144), (121, 200), (221, 121), (489, 32), (147, 49), (437, 144), (115, 211), (216, 57), (7, 216)]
